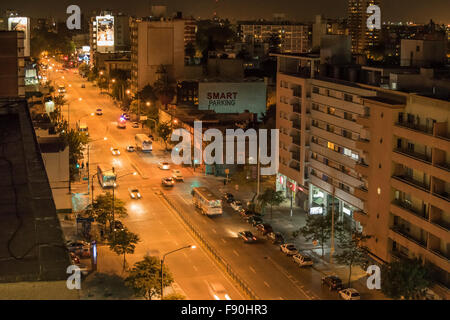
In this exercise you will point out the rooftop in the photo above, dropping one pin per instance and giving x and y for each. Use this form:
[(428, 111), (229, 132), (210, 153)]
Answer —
[(31, 241)]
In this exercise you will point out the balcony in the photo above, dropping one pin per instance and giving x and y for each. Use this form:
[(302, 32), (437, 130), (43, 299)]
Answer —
[(410, 209), (415, 127), (404, 232), (408, 180), (360, 216), (442, 194), (363, 121), (333, 137), (295, 156), (363, 144), (362, 168), (296, 125), (296, 108), (295, 166), (362, 193), (296, 140), (414, 155)]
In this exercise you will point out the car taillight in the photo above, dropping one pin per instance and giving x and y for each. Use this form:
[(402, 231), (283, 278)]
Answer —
[(254, 238)]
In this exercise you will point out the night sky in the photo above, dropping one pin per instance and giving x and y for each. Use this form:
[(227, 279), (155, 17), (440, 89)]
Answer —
[(304, 10)]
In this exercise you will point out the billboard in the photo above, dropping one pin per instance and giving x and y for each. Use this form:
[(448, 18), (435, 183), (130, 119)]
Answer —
[(232, 97), (21, 24), (105, 31)]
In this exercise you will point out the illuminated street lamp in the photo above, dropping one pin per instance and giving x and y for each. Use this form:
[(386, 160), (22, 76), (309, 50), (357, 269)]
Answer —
[(162, 264)]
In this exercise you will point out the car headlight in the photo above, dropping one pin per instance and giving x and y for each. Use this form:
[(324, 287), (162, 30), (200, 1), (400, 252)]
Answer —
[(132, 195), (139, 195), (104, 184)]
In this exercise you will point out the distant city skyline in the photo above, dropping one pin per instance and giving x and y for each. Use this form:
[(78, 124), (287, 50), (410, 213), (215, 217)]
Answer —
[(301, 10)]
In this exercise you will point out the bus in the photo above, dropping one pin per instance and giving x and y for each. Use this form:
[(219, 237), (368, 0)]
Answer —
[(106, 176), (143, 142), (82, 127), (206, 202)]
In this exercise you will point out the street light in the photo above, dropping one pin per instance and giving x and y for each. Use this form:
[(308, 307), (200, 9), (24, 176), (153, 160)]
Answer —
[(162, 264)]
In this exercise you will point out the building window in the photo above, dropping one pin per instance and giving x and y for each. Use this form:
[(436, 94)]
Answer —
[(348, 97), (331, 110), (331, 145), (315, 90)]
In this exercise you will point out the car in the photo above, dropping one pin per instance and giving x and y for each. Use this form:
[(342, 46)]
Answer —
[(255, 220), (118, 225), (218, 291), (176, 174), (135, 125), (151, 137), (130, 148), (134, 193), (99, 112), (164, 165), (83, 85), (275, 237), (79, 247), (264, 228), (349, 294), (246, 214), (115, 151), (333, 282), (247, 236), (289, 249), (228, 197), (168, 182), (236, 205), (125, 116), (302, 260), (121, 124)]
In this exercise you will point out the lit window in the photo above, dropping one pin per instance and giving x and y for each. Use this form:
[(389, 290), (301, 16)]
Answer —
[(331, 145)]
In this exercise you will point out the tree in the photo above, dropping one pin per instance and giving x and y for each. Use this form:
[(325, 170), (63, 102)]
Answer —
[(145, 278), (123, 242), (164, 131), (163, 88), (353, 251), (101, 210), (317, 227), (271, 197), (406, 278), (175, 296), (76, 142)]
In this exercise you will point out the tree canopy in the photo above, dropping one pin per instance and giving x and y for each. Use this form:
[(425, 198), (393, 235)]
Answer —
[(123, 242)]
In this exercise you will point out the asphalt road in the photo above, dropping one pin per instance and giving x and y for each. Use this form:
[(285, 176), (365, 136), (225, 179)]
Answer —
[(269, 273)]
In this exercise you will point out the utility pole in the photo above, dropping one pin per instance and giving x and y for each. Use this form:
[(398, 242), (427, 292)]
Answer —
[(258, 168), (114, 221)]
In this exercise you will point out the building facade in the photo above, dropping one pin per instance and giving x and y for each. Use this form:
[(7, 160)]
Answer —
[(362, 37), (12, 73)]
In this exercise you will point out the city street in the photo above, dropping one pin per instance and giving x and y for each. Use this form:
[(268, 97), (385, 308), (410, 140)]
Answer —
[(268, 272)]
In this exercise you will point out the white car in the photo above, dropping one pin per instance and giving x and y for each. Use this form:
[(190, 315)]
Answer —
[(302, 260), (168, 182), (134, 193), (99, 112), (217, 290), (289, 249), (236, 205), (164, 165), (115, 151), (350, 294), (130, 148), (176, 174)]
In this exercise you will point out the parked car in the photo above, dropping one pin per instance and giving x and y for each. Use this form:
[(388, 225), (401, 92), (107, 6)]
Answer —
[(118, 225), (164, 165), (130, 148), (121, 124), (275, 237), (134, 193), (246, 214), (247, 236), (264, 228), (302, 260), (75, 259), (83, 85), (333, 282), (176, 174), (236, 205), (289, 249), (255, 220), (126, 116), (151, 137), (79, 247), (228, 197), (168, 182), (115, 151), (349, 294), (135, 124), (99, 111)]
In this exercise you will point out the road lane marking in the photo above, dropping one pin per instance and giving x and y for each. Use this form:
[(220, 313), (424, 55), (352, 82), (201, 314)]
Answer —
[(214, 230), (235, 252), (195, 268), (223, 240), (252, 269), (267, 285)]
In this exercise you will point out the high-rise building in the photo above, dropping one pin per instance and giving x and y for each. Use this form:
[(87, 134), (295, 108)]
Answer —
[(362, 37), (293, 37), (155, 43), (377, 159), (12, 72)]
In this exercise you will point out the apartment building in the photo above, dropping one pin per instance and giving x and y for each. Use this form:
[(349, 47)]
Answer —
[(362, 37), (155, 43), (378, 159), (12, 73), (294, 37)]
